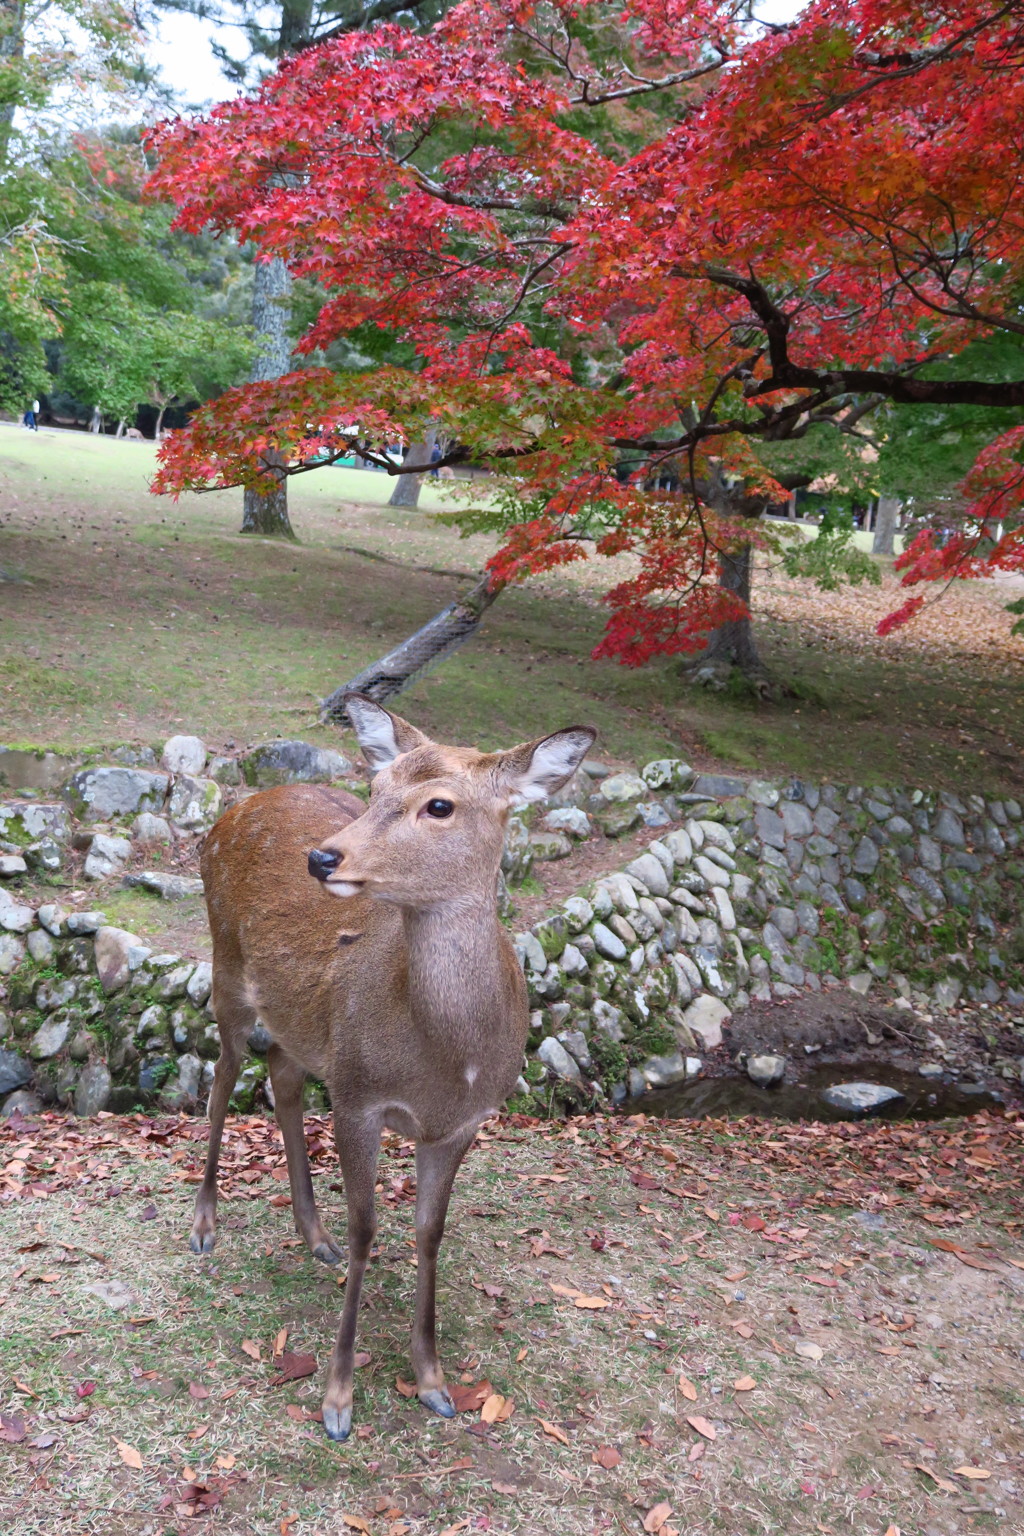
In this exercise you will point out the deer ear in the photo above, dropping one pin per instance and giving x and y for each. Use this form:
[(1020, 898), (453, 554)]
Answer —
[(538, 769), (382, 735)]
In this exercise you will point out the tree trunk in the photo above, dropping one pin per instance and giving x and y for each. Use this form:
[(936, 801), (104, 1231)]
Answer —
[(407, 487), (439, 638), (95, 420), (12, 51), (733, 644), (120, 427), (885, 525), (267, 514), (160, 421)]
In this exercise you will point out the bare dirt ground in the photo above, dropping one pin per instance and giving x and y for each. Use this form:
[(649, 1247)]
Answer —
[(726, 1327)]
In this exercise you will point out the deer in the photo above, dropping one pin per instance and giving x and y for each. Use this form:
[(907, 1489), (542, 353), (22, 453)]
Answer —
[(388, 975)]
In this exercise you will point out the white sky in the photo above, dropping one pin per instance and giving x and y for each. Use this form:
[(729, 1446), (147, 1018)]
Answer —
[(181, 48)]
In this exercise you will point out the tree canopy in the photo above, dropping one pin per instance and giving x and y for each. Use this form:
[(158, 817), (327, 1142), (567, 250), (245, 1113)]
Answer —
[(636, 244)]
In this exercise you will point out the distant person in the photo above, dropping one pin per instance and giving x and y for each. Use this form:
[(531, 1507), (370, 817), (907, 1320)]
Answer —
[(435, 454), (29, 418)]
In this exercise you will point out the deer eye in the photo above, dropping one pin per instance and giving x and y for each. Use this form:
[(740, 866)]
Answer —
[(439, 808)]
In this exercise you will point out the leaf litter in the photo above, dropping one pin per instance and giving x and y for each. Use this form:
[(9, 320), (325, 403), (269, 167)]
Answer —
[(777, 1219)]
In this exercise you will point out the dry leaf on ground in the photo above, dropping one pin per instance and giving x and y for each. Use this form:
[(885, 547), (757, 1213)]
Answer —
[(702, 1425), (554, 1431), (688, 1389), (606, 1456), (655, 1518), (129, 1455)]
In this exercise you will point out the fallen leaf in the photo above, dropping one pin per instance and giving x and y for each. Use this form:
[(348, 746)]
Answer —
[(941, 1482), (554, 1431), (252, 1349), (362, 1357), (406, 1388), (129, 1455), (12, 1428), (564, 1290), (355, 1522), (975, 1472), (22, 1387), (696, 1451), (606, 1456), (808, 1351), (744, 1384), (655, 1518), (280, 1341), (85, 1389), (469, 1396), (521, 1356), (449, 1530), (504, 1487), (44, 1441), (743, 1329), (892, 1530), (591, 1303), (293, 1367), (197, 1392), (225, 1461), (688, 1389), (735, 1274), (491, 1408), (702, 1426)]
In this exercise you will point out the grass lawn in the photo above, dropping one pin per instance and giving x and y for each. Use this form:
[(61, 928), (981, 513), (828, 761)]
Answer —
[(132, 617), (814, 1332)]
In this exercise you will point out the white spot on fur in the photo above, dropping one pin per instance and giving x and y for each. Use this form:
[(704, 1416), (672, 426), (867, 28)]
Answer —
[(471, 1075)]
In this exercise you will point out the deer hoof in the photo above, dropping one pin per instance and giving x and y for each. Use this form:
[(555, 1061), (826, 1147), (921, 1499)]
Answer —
[(438, 1401), (338, 1423), (202, 1242), (328, 1252)]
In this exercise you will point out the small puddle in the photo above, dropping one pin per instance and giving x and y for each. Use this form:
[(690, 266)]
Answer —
[(731, 1097)]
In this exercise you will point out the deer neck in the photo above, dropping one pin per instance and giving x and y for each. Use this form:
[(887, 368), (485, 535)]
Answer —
[(454, 964)]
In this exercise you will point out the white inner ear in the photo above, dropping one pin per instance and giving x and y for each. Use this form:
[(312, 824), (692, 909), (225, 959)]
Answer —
[(554, 762), (375, 731)]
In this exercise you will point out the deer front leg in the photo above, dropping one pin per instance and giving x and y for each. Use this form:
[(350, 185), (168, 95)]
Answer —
[(358, 1148), (436, 1166), (234, 1021), (287, 1076)]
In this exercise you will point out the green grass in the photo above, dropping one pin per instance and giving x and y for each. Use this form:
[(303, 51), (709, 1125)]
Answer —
[(133, 617)]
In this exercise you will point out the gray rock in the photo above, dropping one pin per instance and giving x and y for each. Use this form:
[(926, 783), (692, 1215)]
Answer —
[(118, 953), (704, 1019), (861, 982), (85, 922), (608, 1020), (928, 885), (946, 994), (97, 794), (653, 814), (107, 856), (15, 917), (710, 872), (665, 1071), (39, 944), (45, 855), (770, 827), (547, 847), (899, 829), (573, 962), (12, 864), (856, 893), (33, 768), (195, 804), (225, 770), (785, 921), (825, 821), (650, 870), (579, 914), (531, 953), (667, 773), (716, 786), (169, 887), (865, 859), (679, 845), (620, 820), (948, 828), (766, 1071), (80, 1048), (173, 983), (575, 1042), (620, 788), (796, 819), (15, 1072), (92, 1092), (806, 918), (723, 908), (932, 1069), (200, 983), (114, 1293), (153, 1074), (12, 953), (292, 762), (50, 1038), (148, 828), (24, 821), (568, 819), (557, 1059), (517, 855), (52, 918), (859, 1098), (184, 754), (623, 929), (23, 1102), (607, 944), (182, 1090), (636, 1082), (761, 792)]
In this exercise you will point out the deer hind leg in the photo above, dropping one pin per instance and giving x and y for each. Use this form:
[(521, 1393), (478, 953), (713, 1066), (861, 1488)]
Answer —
[(436, 1166), (235, 1019), (287, 1076), (358, 1148)]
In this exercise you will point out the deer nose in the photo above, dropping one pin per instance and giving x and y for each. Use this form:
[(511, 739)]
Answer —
[(321, 862)]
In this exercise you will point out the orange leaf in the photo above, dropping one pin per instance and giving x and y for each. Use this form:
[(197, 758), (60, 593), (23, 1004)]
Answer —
[(507, 1410), (743, 1329), (564, 1290), (606, 1456), (744, 1384), (941, 1482), (655, 1518), (407, 1388), (521, 1355), (355, 1522), (688, 1389), (280, 1341), (492, 1408), (702, 1426), (554, 1431), (252, 1349), (975, 1472), (129, 1455), (449, 1530), (592, 1303)]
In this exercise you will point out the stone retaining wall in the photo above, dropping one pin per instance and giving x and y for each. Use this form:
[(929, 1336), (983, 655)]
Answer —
[(750, 891)]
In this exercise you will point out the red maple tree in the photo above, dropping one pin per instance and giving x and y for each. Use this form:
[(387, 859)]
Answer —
[(634, 246)]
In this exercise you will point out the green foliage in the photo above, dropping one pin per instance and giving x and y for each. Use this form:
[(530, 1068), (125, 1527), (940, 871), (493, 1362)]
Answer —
[(611, 1062), (831, 559)]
